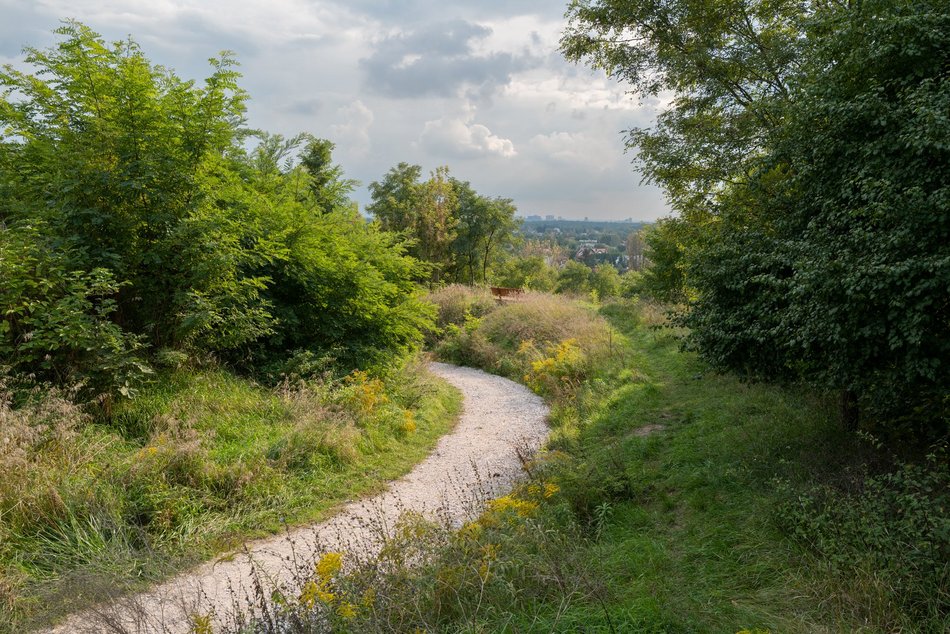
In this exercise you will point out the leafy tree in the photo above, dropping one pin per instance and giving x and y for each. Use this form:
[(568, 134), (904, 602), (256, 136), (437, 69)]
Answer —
[(636, 251), (396, 198), (573, 278), (665, 278), (605, 281), (132, 215), (528, 272), (485, 226), (436, 221), (810, 178), (457, 231), (727, 65)]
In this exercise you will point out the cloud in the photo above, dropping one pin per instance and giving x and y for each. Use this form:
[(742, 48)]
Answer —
[(545, 132), (439, 60), (352, 134), (420, 11), (305, 107), (565, 147), (457, 137)]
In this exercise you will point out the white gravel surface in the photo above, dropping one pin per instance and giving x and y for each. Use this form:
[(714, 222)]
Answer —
[(501, 422)]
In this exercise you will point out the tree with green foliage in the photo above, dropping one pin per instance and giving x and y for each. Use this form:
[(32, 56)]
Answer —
[(111, 157), (605, 281), (573, 278), (396, 198), (665, 278), (132, 216), (806, 154), (529, 272), (485, 226), (453, 228)]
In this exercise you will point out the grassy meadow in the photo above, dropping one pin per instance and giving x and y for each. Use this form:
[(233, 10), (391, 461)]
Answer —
[(671, 499)]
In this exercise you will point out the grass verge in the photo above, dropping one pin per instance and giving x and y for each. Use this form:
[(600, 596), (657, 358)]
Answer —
[(199, 462)]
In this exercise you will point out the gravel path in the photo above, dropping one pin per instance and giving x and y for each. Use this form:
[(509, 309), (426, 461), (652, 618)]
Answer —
[(478, 460)]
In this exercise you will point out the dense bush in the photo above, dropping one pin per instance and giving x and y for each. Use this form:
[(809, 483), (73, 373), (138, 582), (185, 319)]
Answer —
[(529, 272), (888, 538), (806, 159), (133, 216)]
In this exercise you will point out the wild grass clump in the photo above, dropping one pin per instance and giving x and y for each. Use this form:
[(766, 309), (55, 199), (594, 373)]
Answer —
[(544, 319), (199, 461), (549, 342), (456, 303), (520, 564)]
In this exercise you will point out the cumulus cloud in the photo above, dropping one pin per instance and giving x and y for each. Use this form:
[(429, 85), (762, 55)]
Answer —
[(439, 60), (352, 134), (563, 146), (458, 137), (545, 132)]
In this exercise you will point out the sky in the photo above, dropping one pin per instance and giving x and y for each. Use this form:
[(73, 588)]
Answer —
[(478, 85)]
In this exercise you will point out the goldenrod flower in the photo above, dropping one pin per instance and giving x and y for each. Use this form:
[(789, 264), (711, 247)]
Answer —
[(346, 610), (329, 565)]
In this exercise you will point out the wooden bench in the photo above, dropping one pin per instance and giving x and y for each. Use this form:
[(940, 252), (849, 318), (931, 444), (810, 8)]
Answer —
[(503, 294)]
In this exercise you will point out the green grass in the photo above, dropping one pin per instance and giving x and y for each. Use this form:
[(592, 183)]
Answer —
[(747, 507), (697, 537), (199, 462)]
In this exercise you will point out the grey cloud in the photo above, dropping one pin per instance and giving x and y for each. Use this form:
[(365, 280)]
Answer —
[(197, 32), (407, 12), (306, 107), (438, 60), (24, 25)]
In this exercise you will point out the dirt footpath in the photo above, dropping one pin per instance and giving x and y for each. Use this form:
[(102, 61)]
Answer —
[(477, 460)]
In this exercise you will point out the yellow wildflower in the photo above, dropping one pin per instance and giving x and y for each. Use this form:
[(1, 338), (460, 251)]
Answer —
[(200, 623), (346, 610), (369, 597), (308, 595), (471, 530), (329, 565), (408, 422), (523, 508)]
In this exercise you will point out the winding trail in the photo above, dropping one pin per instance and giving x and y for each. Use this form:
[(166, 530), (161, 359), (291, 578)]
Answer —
[(501, 422)]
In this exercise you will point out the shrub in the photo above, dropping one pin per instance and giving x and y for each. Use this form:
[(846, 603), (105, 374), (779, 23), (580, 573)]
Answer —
[(456, 302), (892, 535), (573, 279)]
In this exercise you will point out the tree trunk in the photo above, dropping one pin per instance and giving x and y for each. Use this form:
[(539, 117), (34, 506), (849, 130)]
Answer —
[(848, 409)]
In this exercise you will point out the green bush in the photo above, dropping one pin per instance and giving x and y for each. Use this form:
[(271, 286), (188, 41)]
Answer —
[(890, 537), (134, 216), (456, 303), (573, 279), (58, 323), (530, 273)]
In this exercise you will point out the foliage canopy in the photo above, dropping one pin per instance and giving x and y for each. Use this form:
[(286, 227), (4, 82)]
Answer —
[(133, 216)]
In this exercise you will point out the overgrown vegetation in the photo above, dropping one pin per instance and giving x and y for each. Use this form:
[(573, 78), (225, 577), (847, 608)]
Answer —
[(134, 220), (805, 155), (197, 463), (672, 499), (201, 339)]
